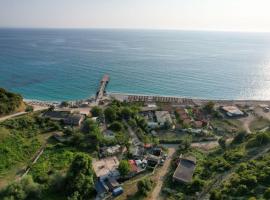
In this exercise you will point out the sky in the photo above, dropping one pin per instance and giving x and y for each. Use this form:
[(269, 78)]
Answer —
[(224, 15)]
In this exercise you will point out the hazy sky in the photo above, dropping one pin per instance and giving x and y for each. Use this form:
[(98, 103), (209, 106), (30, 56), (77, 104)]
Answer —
[(237, 15)]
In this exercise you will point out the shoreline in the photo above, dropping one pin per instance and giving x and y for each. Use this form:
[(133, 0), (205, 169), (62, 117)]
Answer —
[(126, 96)]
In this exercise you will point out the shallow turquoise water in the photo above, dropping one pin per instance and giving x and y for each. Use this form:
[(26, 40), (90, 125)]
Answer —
[(49, 64)]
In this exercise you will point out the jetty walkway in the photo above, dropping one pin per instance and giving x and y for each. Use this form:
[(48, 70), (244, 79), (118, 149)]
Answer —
[(102, 88)]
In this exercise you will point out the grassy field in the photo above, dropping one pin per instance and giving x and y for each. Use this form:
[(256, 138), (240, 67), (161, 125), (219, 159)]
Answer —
[(227, 125), (258, 124), (170, 136), (130, 187)]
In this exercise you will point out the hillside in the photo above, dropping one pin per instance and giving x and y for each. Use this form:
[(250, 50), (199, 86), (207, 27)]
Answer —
[(10, 102)]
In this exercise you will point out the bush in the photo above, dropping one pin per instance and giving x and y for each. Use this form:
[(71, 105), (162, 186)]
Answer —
[(96, 111), (116, 126), (110, 114), (26, 189), (29, 108), (9, 102), (80, 177), (239, 138), (124, 167), (266, 194), (260, 139), (144, 186), (209, 107)]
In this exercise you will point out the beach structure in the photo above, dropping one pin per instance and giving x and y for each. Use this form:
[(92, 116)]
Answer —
[(102, 88), (232, 111), (185, 169), (152, 99)]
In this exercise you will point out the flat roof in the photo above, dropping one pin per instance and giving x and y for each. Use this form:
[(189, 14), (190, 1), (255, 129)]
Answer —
[(232, 110), (185, 169)]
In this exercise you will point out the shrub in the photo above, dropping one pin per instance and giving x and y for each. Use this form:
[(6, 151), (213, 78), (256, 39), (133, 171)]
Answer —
[(124, 167), (144, 186), (80, 177), (267, 193), (116, 126), (96, 111), (260, 139)]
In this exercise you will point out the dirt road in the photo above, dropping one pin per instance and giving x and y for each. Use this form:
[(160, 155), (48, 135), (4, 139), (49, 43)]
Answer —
[(162, 173), (36, 108)]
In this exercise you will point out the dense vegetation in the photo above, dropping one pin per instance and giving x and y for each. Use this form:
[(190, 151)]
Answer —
[(245, 161), (19, 139), (9, 102)]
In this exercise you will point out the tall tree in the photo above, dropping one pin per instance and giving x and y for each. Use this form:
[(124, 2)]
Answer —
[(80, 178)]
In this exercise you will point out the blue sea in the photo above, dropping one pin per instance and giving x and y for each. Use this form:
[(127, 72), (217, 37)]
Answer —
[(67, 64)]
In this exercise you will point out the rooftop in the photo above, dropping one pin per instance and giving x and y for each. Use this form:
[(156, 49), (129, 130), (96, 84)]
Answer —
[(185, 169), (232, 110)]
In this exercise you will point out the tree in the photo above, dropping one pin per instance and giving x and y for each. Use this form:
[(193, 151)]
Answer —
[(64, 104), (215, 195), (167, 125), (126, 113), (90, 126), (222, 143), (124, 167), (132, 123), (29, 108), (96, 111), (25, 189), (80, 178), (116, 126), (266, 194), (144, 186), (196, 185), (239, 138), (9, 102), (110, 114), (260, 139), (122, 138), (186, 143)]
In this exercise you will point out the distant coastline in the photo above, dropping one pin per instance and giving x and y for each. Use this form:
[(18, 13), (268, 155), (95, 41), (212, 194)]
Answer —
[(124, 96)]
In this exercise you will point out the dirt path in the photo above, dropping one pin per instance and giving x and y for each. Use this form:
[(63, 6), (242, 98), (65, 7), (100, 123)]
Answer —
[(36, 108), (11, 116), (161, 175), (246, 122)]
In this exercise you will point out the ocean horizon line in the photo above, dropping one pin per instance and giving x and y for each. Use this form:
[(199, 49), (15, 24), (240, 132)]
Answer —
[(134, 29)]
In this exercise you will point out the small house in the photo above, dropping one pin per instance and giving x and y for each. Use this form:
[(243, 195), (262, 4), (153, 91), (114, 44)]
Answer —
[(185, 169), (152, 161), (232, 111)]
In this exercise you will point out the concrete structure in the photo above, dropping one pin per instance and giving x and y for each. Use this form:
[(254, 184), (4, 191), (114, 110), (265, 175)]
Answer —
[(106, 167), (185, 169), (101, 90), (163, 117)]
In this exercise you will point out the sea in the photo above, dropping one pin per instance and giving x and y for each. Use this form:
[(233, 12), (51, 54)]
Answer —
[(67, 64)]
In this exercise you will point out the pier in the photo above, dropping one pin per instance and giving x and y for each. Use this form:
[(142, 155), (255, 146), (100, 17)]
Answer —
[(102, 88)]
